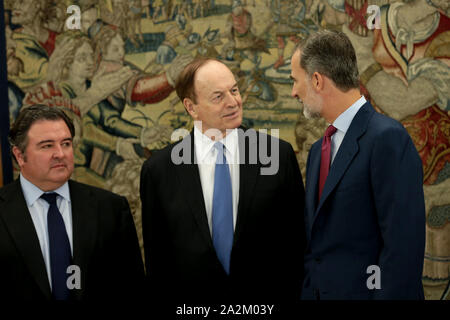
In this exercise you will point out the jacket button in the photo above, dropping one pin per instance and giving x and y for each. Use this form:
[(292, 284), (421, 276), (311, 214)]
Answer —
[(318, 260)]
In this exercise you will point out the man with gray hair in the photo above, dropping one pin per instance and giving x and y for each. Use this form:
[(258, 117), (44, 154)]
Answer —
[(217, 226), (60, 239), (364, 202)]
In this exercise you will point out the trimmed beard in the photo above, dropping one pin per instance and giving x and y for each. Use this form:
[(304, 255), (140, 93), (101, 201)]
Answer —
[(312, 111), (309, 113)]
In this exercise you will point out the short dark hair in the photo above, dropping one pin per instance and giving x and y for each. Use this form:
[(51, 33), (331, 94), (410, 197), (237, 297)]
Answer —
[(330, 53), (185, 86), (18, 135)]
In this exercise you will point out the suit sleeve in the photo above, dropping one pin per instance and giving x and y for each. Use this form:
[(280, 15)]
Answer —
[(293, 202), (154, 235), (396, 175), (128, 254)]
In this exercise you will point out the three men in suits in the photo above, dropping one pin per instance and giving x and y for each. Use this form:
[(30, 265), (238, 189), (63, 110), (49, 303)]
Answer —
[(220, 222), (60, 239), (364, 211)]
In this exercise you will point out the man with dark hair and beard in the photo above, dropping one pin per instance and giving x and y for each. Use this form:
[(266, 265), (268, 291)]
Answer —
[(364, 202)]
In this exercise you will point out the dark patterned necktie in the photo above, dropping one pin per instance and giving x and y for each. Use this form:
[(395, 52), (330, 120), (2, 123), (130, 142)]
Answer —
[(60, 253)]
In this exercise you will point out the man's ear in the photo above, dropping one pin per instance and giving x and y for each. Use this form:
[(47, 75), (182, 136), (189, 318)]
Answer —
[(20, 157), (317, 82), (189, 105)]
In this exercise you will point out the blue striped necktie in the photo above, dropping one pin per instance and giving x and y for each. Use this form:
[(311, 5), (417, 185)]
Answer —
[(222, 211), (60, 253)]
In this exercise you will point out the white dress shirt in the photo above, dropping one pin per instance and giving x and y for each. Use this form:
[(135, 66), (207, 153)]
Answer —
[(38, 209), (206, 156), (342, 123)]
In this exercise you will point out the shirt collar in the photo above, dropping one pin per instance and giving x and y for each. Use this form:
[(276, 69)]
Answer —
[(33, 193), (342, 123), (204, 144)]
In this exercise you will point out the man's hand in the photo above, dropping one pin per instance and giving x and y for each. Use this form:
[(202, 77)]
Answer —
[(156, 133), (103, 85), (175, 68), (125, 148)]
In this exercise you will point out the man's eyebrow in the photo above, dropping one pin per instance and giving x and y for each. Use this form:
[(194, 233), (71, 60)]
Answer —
[(291, 77), (52, 141), (235, 85), (221, 91), (217, 91), (45, 141)]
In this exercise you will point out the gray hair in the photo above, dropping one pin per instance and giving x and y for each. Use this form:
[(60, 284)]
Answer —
[(331, 54)]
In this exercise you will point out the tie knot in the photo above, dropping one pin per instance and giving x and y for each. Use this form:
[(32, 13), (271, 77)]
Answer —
[(49, 197), (221, 159), (330, 131), (219, 146)]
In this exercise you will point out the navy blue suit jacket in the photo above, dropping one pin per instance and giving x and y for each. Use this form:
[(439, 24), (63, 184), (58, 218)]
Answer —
[(371, 212)]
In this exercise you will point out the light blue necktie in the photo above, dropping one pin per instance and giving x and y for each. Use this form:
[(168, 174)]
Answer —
[(222, 211)]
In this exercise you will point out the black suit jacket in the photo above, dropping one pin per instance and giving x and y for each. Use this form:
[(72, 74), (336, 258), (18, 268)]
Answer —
[(266, 258), (105, 247)]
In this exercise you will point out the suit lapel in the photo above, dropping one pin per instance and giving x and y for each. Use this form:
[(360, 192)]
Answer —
[(347, 151), (248, 173), (189, 179), (312, 179), (21, 228), (84, 224)]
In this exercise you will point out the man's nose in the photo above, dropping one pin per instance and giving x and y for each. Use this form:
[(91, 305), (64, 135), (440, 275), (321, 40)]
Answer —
[(58, 153), (293, 93), (231, 100)]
